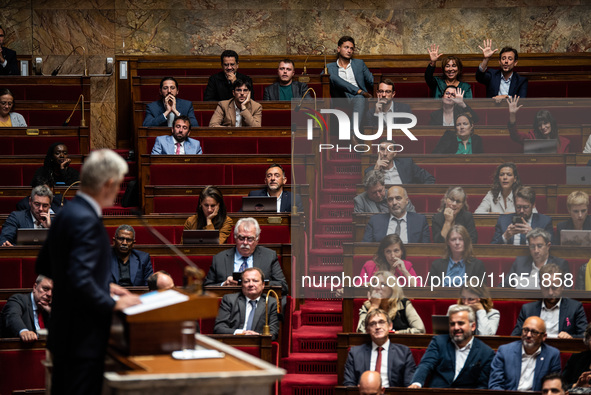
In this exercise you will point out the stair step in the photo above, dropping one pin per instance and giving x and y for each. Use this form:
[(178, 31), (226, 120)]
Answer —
[(315, 339), (341, 181), (336, 211), (331, 240), (310, 363), (308, 384)]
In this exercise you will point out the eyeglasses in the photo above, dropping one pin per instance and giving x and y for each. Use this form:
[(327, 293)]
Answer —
[(122, 239), (247, 239), (241, 90), (376, 323), (384, 92), (523, 207), (40, 205), (6, 103), (534, 333)]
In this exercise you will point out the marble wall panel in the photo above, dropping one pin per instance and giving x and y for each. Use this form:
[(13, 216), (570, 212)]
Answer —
[(449, 4), (102, 125), (556, 29), (460, 31), (16, 22), (172, 4), (374, 31), (73, 4)]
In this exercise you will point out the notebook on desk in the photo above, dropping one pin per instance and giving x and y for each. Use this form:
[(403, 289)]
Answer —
[(201, 236), (264, 204), (540, 146), (31, 236)]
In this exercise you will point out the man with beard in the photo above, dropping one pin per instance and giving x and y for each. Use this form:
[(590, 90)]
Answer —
[(286, 88), (240, 111), (129, 267), (520, 365), (411, 227), (246, 254), (275, 179), (458, 360), (503, 82), (398, 171), (219, 85), (373, 200), (179, 142), (163, 112)]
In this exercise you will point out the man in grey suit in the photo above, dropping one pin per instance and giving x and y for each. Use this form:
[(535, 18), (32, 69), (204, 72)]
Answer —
[(398, 171), (245, 255), (163, 112), (35, 218), (243, 313), (373, 200), (25, 314), (286, 88), (411, 227), (179, 142)]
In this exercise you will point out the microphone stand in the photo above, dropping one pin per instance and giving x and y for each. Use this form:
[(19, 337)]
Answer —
[(58, 68), (67, 189), (304, 77), (82, 120), (294, 206), (266, 328)]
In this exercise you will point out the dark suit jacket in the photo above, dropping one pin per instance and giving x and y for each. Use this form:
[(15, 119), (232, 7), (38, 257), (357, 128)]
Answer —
[(448, 143), (24, 204), (439, 361), (341, 88), (506, 366), (436, 117), (568, 225), (538, 221), (218, 88), (409, 172), (523, 264), (297, 90), (16, 219), (492, 80), (401, 364), (18, 314), (373, 120), (463, 218), (416, 227), (263, 258), (11, 63), (232, 315), (571, 319), (155, 111), (140, 267), (575, 366), (76, 256), (474, 268), (285, 200)]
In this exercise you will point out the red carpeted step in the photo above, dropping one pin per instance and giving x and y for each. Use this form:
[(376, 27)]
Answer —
[(341, 181), (315, 339), (310, 363), (331, 240), (337, 196), (342, 226), (344, 211), (307, 384), (327, 258), (322, 313)]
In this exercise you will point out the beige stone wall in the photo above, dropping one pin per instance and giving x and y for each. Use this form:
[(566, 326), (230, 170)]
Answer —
[(106, 28)]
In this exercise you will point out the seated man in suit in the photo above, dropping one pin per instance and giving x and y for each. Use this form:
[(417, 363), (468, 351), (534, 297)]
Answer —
[(520, 365), (504, 82), (393, 361), (286, 88), (24, 204), (398, 171), (129, 267), (275, 179), (240, 111), (247, 253), (386, 104), (24, 314), (577, 204), (8, 61), (370, 383), (243, 313), (564, 318), (373, 200), (164, 111), (160, 280), (525, 269), (411, 227), (36, 217), (513, 228), (219, 85), (179, 142), (458, 360)]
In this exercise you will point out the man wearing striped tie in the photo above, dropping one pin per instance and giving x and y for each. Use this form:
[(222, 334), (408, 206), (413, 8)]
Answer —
[(394, 362)]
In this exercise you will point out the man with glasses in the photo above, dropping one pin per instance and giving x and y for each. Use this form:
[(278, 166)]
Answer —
[(37, 217), (394, 362), (129, 267), (512, 228), (8, 61), (565, 318), (240, 111), (520, 365), (457, 360), (246, 254), (386, 104)]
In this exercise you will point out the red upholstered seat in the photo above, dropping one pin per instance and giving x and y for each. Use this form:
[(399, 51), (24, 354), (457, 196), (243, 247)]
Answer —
[(13, 362), (11, 273)]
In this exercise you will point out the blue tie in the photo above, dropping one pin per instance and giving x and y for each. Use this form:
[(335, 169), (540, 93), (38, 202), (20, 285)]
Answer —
[(253, 305), (244, 264)]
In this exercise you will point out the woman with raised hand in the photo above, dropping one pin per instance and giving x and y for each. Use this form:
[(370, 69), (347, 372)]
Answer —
[(452, 105), (452, 73)]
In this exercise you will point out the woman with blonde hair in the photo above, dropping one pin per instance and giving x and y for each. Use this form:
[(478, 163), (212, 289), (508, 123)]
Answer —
[(453, 211)]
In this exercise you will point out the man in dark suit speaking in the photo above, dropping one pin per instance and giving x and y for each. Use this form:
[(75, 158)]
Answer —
[(275, 179), (76, 256), (393, 361), (244, 255)]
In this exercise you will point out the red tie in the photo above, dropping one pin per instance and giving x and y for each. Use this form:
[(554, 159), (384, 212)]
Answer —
[(379, 360), (40, 319), (178, 149)]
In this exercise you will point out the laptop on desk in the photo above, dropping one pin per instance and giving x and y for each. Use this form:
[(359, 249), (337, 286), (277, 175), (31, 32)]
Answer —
[(31, 236), (259, 204), (578, 175), (201, 236), (540, 146), (579, 238)]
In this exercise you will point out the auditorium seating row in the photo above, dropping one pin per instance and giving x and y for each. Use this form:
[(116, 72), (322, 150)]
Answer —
[(22, 141)]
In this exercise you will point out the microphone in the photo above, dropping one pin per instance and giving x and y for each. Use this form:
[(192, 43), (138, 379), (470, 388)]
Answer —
[(299, 105), (67, 189), (59, 67), (266, 328), (304, 77), (82, 121)]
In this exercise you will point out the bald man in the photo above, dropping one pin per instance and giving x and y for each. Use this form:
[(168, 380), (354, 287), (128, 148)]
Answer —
[(521, 365), (411, 227), (370, 383)]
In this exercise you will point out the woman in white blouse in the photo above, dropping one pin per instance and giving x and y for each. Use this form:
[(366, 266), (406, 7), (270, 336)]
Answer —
[(499, 200), (487, 318)]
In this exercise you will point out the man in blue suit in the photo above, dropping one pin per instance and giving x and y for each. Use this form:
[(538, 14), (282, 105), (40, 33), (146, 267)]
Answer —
[(504, 82), (513, 228), (520, 365), (179, 142), (458, 360), (394, 362), (129, 267), (164, 111), (275, 180), (411, 227), (564, 318), (8, 61)]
